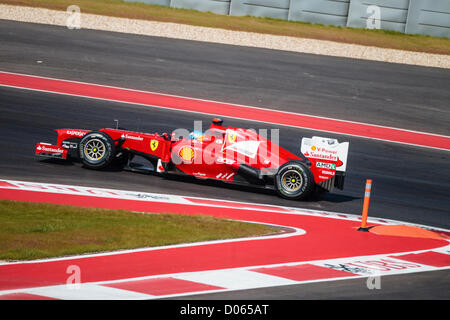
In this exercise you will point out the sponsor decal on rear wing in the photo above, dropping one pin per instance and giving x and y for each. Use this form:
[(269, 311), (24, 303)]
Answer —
[(330, 154)]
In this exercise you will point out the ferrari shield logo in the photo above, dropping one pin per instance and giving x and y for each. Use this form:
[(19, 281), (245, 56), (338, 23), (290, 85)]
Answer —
[(154, 144), (232, 137)]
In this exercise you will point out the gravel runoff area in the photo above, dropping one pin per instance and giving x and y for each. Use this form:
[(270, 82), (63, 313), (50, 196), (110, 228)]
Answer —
[(187, 32)]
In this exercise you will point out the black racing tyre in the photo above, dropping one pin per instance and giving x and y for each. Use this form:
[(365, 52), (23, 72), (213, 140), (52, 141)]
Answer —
[(294, 181), (97, 150)]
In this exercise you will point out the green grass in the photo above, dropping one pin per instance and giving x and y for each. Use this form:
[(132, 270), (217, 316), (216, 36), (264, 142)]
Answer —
[(377, 38), (35, 230)]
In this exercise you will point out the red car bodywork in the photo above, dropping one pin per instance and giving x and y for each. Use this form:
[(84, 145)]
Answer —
[(227, 154)]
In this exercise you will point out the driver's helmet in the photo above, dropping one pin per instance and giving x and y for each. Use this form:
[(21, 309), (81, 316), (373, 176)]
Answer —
[(196, 135)]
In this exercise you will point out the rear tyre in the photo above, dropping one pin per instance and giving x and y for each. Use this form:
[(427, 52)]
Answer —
[(294, 181), (97, 150)]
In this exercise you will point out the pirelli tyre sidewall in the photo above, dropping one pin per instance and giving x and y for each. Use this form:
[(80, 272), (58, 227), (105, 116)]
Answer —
[(294, 180), (97, 150)]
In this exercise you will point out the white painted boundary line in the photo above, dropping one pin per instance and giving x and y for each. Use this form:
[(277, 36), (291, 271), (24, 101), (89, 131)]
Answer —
[(135, 196), (239, 118), (211, 101), (294, 233), (157, 197), (242, 278), (85, 291), (154, 197), (231, 279)]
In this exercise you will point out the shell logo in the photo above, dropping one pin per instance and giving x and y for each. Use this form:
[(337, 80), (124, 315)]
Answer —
[(187, 153)]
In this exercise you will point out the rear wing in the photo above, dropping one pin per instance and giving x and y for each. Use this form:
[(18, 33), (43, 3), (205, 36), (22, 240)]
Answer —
[(328, 160)]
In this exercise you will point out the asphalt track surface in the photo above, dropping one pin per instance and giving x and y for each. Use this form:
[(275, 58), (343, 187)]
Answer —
[(410, 183)]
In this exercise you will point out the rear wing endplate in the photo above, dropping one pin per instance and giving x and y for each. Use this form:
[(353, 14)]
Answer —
[(326, 149)]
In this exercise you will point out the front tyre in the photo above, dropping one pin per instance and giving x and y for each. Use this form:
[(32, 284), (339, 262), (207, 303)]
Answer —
[(294, 181), (97, 150)]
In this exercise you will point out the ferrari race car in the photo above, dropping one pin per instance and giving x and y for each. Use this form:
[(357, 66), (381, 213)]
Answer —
[(227, 154)]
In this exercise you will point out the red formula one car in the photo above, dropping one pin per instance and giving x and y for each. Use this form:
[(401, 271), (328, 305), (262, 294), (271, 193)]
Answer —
[(228, 154)]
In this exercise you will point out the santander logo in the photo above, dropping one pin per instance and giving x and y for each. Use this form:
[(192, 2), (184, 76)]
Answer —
[(47, 149), (126, 136)]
